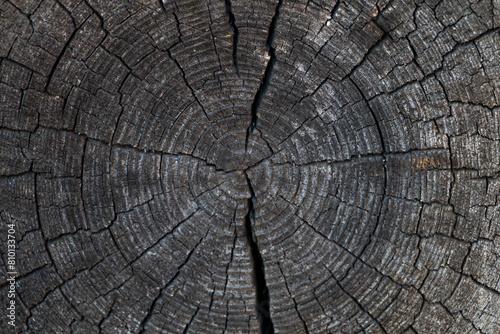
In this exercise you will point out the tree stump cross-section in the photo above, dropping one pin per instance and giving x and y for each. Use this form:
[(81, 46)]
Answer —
[(238, 166)]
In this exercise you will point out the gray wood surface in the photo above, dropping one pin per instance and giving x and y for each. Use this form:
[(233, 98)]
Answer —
[(251, 166)]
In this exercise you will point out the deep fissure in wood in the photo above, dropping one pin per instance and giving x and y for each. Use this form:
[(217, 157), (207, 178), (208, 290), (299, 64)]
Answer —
[(264, 84), (262, 300), (232, 24)]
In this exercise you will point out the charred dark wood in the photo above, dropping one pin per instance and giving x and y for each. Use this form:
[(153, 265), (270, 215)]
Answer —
[(238, 166)]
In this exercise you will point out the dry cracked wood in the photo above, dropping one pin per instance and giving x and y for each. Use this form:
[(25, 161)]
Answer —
[(240, 166)]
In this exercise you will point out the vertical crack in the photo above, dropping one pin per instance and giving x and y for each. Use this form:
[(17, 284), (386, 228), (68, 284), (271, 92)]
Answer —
[(264, 84), (384, 153), (66, 46), (82, 181), (304, 324), (232, 24), (419, 250), (262, 301), (59, 59), (191, 321), (174, 13), (157, 299)]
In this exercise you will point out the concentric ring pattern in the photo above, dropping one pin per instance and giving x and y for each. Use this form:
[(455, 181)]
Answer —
[(252, 166)]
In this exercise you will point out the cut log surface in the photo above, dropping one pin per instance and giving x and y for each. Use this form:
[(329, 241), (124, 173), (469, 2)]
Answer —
[(241, 166)]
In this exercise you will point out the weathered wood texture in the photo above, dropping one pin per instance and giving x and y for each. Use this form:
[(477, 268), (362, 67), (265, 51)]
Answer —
[(249, 166)]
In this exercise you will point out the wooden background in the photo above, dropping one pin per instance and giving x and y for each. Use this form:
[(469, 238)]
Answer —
[(247, 166)]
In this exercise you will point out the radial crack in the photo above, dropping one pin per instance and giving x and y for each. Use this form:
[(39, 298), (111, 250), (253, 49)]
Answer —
[(232, 24), (357, 302), (262, 301), (156, 300), (264, 84), (59, 58), (304, 324), (184, 77), (186, 329)]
